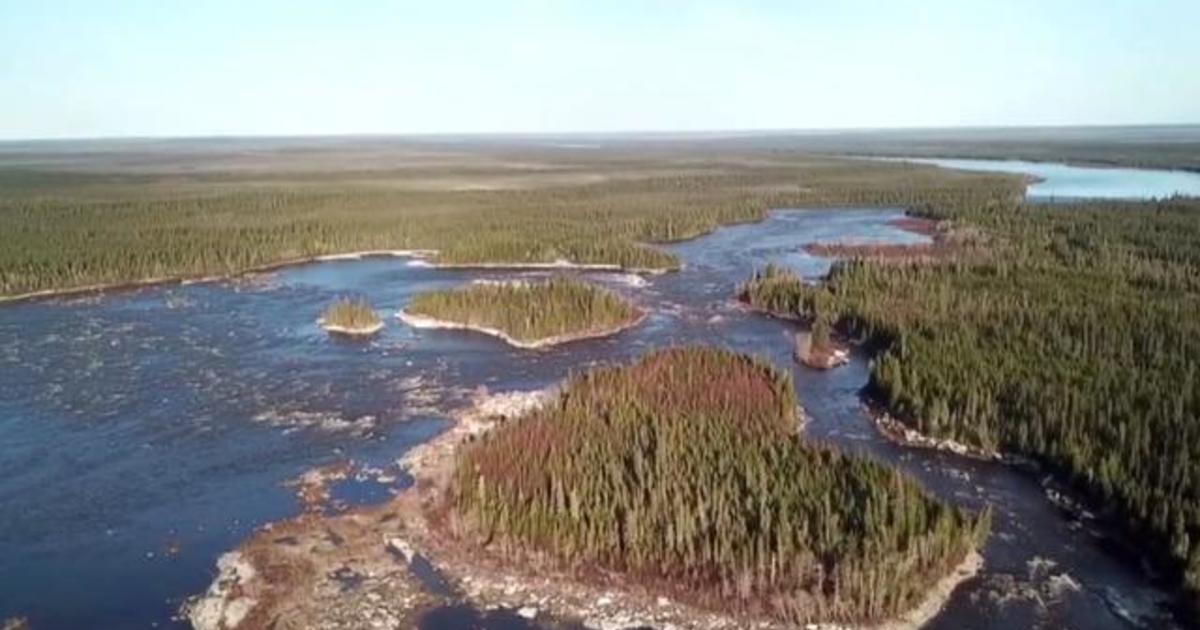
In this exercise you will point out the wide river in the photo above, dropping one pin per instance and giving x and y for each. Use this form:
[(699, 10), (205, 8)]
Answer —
[(142, 433), (1064, 182)]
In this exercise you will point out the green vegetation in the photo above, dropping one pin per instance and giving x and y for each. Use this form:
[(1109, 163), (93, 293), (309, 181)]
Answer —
[(201, 217), (1074, 340), (351, 315), (529, 311), (1163, 147), (686, 471)]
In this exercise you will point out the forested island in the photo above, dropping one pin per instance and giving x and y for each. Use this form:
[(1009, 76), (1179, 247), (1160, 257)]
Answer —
[(353, 317), (526, 314), (685, 473), (1070, 338), (677, 489)]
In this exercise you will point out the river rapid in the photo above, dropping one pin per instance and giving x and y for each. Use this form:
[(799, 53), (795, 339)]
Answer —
[(144, 432)]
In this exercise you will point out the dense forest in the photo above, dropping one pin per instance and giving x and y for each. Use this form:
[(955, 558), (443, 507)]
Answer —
[(1071, 336), (687, 471), (528, 311), (1137, 146), (75, 230)]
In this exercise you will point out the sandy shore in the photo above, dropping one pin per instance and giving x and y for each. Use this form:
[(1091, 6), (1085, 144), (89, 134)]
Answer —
[(296, 572), (424, 322), (359, 331)]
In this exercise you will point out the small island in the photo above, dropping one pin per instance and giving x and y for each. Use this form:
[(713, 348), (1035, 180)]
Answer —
[(353, 317), (815, 348), (526, 314), (772, 290)]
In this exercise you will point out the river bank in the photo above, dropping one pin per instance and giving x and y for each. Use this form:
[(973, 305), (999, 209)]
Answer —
[(419, 256), (185, 280)]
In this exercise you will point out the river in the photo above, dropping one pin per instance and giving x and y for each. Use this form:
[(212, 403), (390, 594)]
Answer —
[(1064, 182), (144, 432)]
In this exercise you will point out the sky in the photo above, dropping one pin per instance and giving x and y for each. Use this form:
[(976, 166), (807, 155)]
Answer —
[(105, 68)]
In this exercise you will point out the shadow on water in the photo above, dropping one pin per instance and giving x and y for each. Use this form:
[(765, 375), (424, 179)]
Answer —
[(146, 432)]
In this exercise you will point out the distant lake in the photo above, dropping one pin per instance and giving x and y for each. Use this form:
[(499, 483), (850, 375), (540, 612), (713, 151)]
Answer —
[(1061, 181)]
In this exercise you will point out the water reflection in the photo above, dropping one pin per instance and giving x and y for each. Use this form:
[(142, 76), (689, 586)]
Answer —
[(1064, 182)]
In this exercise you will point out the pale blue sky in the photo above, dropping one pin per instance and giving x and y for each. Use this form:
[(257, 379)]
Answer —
[(71, 68)]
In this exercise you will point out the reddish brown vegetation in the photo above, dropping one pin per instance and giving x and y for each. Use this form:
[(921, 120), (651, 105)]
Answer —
[(916, 225), (824, 358), (684, 473)]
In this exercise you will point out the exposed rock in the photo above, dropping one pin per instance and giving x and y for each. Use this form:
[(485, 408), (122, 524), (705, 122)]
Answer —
[(424, 322), (223, 607), (824, 357), (352, 331), (313, 487), (402, 547), (901, 433)]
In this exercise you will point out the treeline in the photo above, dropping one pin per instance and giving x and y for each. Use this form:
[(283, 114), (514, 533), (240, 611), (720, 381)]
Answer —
[(1075, 340), (528, 311), (88, 232), (686, 471)]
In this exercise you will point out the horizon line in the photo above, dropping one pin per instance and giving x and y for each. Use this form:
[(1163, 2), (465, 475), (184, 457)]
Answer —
[(748, 131)]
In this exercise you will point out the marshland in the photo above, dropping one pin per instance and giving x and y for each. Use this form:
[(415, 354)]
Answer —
[(193, 405)]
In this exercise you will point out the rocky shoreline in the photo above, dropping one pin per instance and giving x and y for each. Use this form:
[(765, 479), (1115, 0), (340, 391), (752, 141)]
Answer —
[(432, 323), (900, 433), (363, 568), (356, 331)]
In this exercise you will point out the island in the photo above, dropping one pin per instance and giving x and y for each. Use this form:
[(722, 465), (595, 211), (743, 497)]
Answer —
[(352, 317), (770, 290), (526, 314), (676, 490)]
